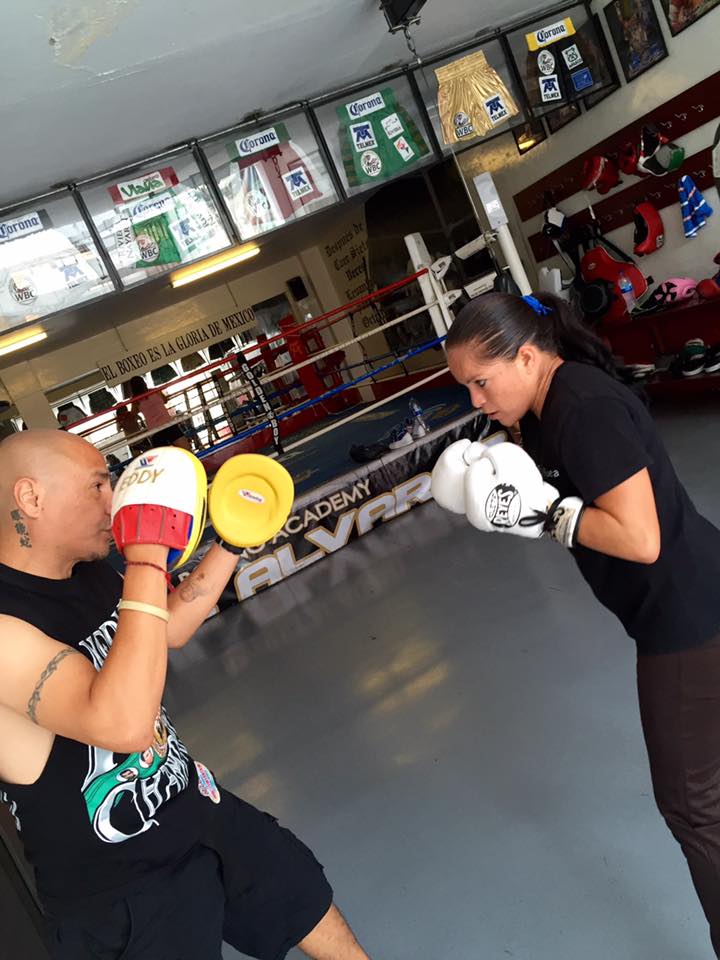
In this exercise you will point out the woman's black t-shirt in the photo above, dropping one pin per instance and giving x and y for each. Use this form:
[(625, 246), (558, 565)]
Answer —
[(594, 434)]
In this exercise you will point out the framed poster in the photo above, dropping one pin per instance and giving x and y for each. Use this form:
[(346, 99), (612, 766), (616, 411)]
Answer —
[(560, 118), (683, 13), (592, 99), (637, 36)]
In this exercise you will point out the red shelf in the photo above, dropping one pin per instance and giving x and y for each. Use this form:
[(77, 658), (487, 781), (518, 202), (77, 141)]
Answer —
[(646, 338)]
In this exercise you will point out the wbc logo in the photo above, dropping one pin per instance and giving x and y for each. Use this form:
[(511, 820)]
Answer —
[(463, 125)]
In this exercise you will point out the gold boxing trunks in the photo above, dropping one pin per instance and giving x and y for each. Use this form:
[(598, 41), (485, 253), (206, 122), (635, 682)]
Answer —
[(472, 99)]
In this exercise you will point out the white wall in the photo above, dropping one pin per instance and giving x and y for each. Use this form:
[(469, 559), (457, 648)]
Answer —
[(693, 55)]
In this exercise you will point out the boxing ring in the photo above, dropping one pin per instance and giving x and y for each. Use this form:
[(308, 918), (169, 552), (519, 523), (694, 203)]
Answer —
[(309, 408)]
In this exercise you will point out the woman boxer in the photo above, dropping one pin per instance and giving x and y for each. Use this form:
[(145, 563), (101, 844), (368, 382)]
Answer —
[(595, 475)]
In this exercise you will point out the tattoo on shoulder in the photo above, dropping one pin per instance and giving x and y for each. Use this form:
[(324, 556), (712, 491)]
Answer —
[(192, 587), (21, 529), (44, 677)]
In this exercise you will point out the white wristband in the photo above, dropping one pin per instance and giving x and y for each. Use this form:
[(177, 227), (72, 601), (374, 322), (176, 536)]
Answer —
[(149, 608)]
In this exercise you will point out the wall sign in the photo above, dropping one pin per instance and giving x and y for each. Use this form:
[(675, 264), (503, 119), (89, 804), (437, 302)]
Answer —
[(116, 369)]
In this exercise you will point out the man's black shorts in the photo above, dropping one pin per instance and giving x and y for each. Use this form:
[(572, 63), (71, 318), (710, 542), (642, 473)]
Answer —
[(253, 885)]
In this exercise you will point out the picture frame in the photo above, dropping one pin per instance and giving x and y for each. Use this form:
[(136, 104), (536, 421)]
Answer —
[(593, 99), (557, 119), (637, 36), (682, 16), (529, 135), (536, 65)]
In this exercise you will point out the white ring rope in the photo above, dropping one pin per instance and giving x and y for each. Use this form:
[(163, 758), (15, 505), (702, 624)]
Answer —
[(112, 444), (367, 409)]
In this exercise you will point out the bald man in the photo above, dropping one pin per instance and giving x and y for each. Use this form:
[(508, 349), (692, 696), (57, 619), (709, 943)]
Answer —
[(137, 851)]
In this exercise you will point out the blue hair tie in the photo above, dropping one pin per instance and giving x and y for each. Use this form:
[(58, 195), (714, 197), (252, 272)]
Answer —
[(540, 309)]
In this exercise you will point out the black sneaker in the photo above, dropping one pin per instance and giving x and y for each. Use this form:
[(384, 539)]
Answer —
[(712, 359), (693, 356)]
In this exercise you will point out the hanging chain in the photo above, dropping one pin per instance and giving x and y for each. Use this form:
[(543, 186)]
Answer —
[(411, 43)]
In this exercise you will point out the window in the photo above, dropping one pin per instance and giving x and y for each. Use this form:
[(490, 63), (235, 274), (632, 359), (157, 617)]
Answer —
[(270, 174), (497, 111), (48, 261), (561, 58), (156, 218), (376, 135)]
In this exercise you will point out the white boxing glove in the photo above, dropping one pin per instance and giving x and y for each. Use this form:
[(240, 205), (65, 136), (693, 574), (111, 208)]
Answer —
[(505, 493), (447, 481)]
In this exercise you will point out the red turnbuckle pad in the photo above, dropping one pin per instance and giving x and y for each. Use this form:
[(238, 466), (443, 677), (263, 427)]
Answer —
[(150, 523)]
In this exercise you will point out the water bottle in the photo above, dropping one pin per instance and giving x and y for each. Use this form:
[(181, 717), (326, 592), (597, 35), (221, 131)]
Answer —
[(627, 292), (420, 428)]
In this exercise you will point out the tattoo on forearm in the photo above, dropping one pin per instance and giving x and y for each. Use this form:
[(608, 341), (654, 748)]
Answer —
[(46, 674), (192, 587), (21, 529)]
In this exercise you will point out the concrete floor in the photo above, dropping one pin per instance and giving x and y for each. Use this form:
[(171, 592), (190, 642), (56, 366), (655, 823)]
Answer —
[(449, 719)]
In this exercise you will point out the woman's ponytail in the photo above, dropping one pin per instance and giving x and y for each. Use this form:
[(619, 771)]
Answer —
[(500, 323), (573, 339)]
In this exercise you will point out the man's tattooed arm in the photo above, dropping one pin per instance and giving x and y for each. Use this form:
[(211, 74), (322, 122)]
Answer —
[(196, 597), (49, 670), (192, 587)]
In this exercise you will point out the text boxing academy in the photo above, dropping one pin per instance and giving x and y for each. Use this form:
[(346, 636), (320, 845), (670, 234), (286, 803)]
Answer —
[(306, 528)]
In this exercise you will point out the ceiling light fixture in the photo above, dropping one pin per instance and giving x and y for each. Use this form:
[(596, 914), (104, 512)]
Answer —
[(19, 340), (213, 264)]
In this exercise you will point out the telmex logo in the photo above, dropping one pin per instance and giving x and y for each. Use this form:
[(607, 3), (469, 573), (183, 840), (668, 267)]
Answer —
[(358, 108), (257, 141)]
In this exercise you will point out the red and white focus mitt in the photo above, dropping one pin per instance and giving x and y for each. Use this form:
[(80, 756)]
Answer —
[(161, 498)]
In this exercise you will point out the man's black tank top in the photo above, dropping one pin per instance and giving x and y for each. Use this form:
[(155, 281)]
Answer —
[(95, 822)]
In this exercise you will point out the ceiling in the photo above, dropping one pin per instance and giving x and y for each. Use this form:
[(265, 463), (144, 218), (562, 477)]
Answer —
[(87, 85)]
